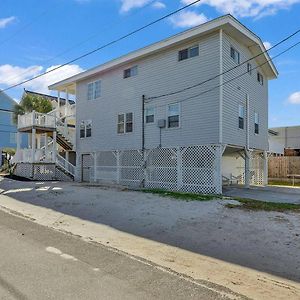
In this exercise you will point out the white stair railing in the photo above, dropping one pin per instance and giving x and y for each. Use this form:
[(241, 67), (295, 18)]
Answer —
[(66, 165)]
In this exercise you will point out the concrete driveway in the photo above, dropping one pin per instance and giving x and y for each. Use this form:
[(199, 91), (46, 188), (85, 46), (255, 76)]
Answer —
[(269, 193)]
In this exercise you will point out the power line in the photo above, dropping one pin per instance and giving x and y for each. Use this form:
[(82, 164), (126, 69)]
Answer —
[(106, 45), (227, 71), (6, 110), (234, 78), (78, 44), (24, 27)]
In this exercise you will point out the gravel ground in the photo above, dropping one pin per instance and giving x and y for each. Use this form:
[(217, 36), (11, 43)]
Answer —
[(267, 242)]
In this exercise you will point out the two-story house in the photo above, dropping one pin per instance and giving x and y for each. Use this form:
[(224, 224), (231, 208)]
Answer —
[(183, 113)]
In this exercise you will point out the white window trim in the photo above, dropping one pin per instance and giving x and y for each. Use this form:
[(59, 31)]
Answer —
[(249, 71), (167, 114), (145, 117), (124, 114), (262, 76), (244, 117), (130, 68), (256, 113), (239, 55), (93, 82), (189, 57), (85, 123)]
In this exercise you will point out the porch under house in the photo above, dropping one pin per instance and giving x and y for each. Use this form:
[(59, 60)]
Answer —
[(51, 143)]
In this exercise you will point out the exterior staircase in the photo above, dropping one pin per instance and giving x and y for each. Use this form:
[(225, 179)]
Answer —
[(43, 161)]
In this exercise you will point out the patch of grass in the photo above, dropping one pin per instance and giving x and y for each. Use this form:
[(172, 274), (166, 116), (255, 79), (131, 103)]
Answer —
[(182, 196), (283, 183), (256, 205)]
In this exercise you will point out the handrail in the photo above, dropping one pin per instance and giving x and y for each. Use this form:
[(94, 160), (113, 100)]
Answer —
[(66, 165)]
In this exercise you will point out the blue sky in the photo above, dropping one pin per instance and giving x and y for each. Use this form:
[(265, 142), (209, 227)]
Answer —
[(37, 35)]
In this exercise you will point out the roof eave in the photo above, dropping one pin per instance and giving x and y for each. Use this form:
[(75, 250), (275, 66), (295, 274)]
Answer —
[(206, 28)]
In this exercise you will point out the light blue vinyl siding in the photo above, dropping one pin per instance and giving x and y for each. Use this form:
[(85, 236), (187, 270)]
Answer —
[(234, 94), (7, 127), (157, 74)]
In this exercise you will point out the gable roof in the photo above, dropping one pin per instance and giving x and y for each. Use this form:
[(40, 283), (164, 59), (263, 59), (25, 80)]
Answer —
[(49, 97), (228, 23), (6, 102)]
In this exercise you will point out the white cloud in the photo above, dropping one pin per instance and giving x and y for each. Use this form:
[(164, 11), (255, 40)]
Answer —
[(294, 98), (127, 5), (247, 8), (267, 45), (10, 75), (188, 19), (6, 21), (159, 5)]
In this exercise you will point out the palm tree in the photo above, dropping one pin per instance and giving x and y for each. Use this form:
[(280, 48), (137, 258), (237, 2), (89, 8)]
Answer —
[(30, 103)]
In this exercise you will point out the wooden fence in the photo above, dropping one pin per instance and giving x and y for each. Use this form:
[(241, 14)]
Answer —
[(281, 167)]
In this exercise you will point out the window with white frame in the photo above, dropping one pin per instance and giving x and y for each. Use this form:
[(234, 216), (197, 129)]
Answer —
[(256, 123), (82, 130), (241, 116), (85, 129), (149, 115), (188, 53), (125, 123), (94, 90), (260, 78), (173, 115), (235, 55), (88, 128), (249, 68), (130, 72)]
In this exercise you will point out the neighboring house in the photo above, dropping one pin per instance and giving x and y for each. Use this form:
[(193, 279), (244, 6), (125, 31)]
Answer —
[(8, 130), (54, 100), (188, 140), (284, 141)]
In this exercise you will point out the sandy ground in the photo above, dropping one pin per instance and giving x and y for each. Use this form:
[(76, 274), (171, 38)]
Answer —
[(255, 254)]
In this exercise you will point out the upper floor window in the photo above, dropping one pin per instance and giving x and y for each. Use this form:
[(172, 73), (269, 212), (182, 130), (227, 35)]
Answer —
[(235, 55), (173, 115), (130, 72), (82, 130), (149, 115), (241, 116), (256, 123), (249, 68), (94, 90), (125, 123), (188, 53), (85, 129), (260, 78)]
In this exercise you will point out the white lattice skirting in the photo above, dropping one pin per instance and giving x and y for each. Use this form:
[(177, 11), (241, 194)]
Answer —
[(191, 169), (40, 172)]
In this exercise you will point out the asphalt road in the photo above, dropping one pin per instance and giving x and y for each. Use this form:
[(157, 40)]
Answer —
[(40, 263)]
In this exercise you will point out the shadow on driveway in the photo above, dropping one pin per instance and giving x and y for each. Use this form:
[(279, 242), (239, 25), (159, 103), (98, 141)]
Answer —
[(264, 241)]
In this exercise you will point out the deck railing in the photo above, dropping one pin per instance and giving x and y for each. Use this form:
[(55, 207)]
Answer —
[(36, 119)]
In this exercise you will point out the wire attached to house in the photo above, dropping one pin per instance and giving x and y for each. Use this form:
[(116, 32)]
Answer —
[(105, 45), (225, 72), (234, 78)]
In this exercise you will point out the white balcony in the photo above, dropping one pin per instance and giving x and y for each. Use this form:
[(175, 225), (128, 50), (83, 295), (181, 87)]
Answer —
[(36, 120)]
